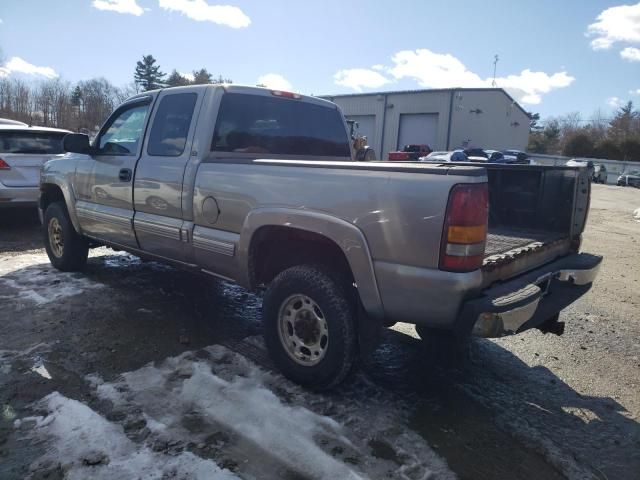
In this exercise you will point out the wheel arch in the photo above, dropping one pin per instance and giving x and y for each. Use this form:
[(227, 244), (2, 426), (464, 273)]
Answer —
[(335, 234), (53, 189)]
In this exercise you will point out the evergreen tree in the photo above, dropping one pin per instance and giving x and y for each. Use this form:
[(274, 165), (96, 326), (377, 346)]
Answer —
[(148, 75), (177, 80), (202, 77), (533, 122), (621, 128), (76, 96)]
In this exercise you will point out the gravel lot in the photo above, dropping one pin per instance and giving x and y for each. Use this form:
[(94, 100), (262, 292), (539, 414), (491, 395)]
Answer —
[(133, 368)]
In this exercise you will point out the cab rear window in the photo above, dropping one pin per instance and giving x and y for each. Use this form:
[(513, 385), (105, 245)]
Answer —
[(278, 126), (31, 142)]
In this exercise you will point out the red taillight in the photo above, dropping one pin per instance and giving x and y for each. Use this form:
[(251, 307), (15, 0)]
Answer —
[(4, 165), (465, 228), (280, 93)]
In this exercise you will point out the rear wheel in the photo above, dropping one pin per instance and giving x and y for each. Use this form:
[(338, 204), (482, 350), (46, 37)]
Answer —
[(66, 249), (309, 326)]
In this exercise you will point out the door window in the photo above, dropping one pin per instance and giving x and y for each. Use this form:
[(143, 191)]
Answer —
[(124, 132), (171, 125)]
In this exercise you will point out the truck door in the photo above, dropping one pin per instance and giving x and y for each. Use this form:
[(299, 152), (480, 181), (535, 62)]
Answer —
[(158, 183), (104, 181)]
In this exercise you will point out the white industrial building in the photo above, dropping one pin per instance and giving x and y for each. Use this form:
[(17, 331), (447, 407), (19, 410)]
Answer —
[(443, 119)]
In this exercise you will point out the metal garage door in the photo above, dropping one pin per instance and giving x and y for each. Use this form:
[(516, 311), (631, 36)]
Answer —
[(366, 127), (418, 128)]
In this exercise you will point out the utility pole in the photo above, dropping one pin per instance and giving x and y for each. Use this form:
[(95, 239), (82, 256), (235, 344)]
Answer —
[(495, 64)]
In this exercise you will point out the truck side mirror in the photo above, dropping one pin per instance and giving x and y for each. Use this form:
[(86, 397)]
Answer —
[(76, 143)]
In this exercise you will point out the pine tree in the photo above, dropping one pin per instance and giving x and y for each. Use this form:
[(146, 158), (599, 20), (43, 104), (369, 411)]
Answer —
[(201, 77), (621, 128), (177, 80), (148, 75)]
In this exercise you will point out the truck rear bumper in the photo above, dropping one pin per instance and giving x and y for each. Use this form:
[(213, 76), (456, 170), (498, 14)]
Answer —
[(531, 299)]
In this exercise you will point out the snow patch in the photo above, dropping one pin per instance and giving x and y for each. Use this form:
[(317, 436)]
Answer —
[(37, 282), (40, 369), (636, 214), (214, 407), (241, 404), (87, 445), (218, 392)]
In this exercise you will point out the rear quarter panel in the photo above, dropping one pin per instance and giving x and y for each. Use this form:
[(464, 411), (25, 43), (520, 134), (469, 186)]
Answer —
[(400, 214)]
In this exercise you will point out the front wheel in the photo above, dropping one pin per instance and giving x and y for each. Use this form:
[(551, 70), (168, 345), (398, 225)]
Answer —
[(66, 249), (309, 326)]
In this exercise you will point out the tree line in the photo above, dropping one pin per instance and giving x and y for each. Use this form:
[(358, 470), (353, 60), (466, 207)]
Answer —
[(85, 105), (616, 138)]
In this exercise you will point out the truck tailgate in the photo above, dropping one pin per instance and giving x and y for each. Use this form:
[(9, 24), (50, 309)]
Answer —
[(535, 215)]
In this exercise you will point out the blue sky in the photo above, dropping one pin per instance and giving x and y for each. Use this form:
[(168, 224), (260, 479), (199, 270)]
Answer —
[(555, 56)]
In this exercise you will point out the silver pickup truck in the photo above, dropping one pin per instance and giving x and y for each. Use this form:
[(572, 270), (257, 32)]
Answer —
[(258, 187)]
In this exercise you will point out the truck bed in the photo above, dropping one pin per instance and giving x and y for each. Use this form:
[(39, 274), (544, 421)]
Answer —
[(532, 217), (506, 240)]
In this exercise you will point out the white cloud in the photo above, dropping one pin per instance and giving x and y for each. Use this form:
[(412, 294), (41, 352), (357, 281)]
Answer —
[(631, 54), (615, 24), (433, 70), (275, 81), (614, 102), (188, 76), (120, 6), (201, 11), (436, 70), (18, 65), (529, 86), (378, 67), (634, 92), (359, 78)]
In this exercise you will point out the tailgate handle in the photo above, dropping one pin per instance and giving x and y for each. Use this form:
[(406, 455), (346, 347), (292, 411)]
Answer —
[(125, 174)]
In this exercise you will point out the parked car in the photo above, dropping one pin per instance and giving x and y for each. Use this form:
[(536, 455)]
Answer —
[(257, 196), (495, 156), (8, 121), (23, 151), (410, 153), (599, 173), (629, 179), (476, 155), (442, 157), (515, 157), (588, 164)]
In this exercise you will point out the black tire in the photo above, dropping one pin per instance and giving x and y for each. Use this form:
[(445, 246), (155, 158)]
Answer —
[(443, 348), (68, 252), (337, 308)]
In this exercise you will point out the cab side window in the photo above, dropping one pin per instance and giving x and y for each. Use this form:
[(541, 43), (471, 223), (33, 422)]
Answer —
[(124, 132), (170, 128)]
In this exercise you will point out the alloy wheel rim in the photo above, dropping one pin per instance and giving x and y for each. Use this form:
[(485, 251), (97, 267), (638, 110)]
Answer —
[(303, 330), (56, 240)]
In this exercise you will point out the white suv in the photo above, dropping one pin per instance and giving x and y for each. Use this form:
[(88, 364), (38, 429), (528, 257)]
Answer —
[(23, 150)]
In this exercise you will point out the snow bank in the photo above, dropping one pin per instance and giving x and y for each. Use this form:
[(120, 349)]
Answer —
[(87, 445), (36, 281)]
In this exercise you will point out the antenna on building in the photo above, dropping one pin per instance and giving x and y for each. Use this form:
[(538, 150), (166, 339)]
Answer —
[(495, 64)]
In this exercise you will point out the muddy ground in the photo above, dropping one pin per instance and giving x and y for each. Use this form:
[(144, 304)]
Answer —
[(528, 406)]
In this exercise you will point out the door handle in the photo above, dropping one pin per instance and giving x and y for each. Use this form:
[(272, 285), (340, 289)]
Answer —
[(125, 175)]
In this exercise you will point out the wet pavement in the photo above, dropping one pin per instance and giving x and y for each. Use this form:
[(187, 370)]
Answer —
[(528, 406)]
